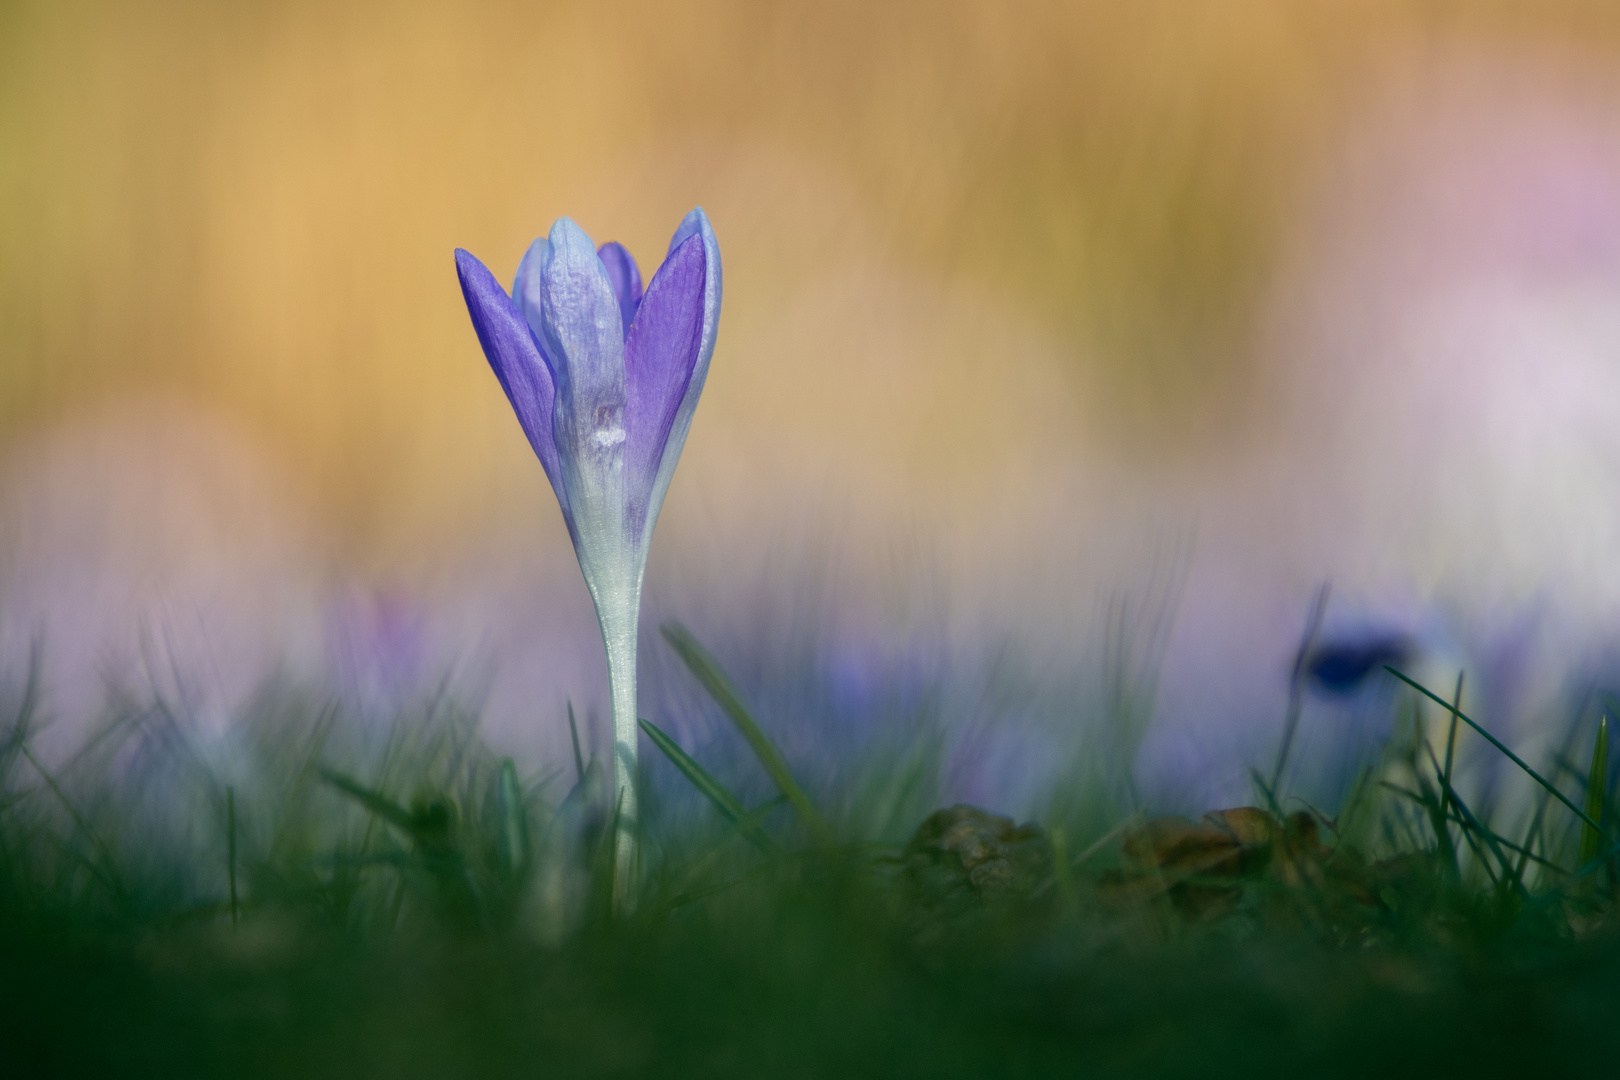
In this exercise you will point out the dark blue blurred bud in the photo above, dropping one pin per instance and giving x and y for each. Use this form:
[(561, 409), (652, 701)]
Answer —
[(1342, 667)]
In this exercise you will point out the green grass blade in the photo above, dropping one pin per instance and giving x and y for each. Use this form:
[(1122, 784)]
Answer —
[(22, 724), (1347, 823), (1596, 779), (1062, 869), (512, 839), (749, 826), (573, 733), (1438, 811), (1471, 825), (1530, 835), (107, 869), (730, 807), (1403, 792), (756, 818), (714, 679), (380, 805), (1296, 688), (724, 801), (1526, 856), (1494, 741), (1111, 836), (230, 847), (1267, 795), (1451, 741)]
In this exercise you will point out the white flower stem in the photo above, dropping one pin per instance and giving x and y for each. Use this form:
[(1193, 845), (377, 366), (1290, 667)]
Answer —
[(618, 618)]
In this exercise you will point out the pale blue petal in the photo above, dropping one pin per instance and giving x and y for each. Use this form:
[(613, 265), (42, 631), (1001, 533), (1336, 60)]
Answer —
[(582, 334), (526, 285), (692, 224), (626, 277), (581, 331)]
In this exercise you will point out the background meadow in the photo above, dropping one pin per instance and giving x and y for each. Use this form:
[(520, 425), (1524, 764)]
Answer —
[(1068, 349), (1078, 361)]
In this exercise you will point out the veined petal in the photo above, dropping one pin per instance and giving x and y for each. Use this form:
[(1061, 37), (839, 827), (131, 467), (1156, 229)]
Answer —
[(626, 278), (695, 224), (517, 362), (582, 333), (659, 358)]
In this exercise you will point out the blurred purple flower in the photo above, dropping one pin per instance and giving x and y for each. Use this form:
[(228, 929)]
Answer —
[(379, 646), (604, 379)]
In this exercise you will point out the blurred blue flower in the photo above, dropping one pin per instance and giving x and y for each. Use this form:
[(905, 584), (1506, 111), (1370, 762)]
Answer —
[(1342, 667), (604, 377)]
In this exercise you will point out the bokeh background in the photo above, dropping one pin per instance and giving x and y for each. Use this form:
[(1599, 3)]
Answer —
[(1068, 348)]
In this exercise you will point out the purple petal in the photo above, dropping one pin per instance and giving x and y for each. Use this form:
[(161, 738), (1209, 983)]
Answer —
[(512, 353), (626, 278), (695, 224), (663, 349)]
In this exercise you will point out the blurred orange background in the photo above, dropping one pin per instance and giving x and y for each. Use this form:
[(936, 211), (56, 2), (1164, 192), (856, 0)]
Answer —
[(254, 204)]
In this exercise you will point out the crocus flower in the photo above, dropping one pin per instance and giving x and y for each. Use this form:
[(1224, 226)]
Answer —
[(604, 378)]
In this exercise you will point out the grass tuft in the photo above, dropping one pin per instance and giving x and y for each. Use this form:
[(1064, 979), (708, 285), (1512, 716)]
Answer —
[(401, 900), (1591, 830), (713, 678)]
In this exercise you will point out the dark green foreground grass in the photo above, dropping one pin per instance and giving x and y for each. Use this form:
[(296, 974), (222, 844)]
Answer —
[(800, 986), (433, 915)]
